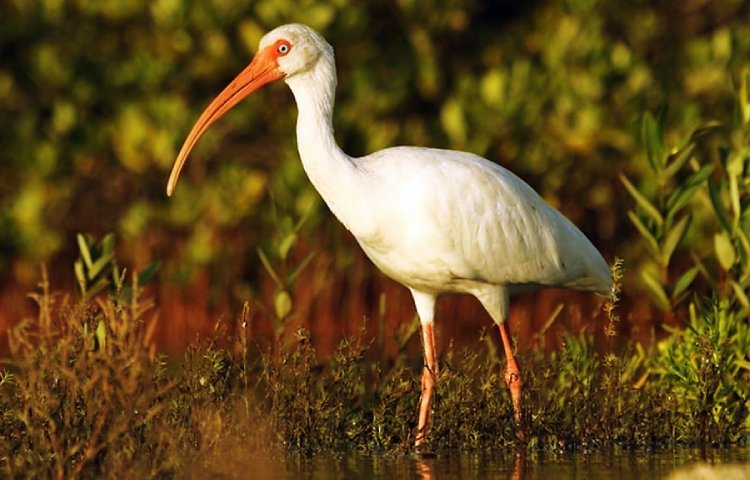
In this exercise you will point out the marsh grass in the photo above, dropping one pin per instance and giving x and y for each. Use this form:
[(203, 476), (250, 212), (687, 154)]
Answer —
[(79, 393), (81, 400)]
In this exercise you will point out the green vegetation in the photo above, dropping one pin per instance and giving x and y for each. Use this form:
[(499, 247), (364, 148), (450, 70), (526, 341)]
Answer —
[(86, 393), (96, 97)]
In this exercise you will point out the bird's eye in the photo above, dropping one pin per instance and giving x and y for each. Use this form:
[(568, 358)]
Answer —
[(283, 48)]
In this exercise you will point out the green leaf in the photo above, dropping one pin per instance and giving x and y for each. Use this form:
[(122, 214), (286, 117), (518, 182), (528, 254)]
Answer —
[(705, 129), (118, 277), (734, 170), (740, 294), (80, 277), (743, 95), (684, 282), (97, 268), (453, 120), (742, 363), (724, 250), (699, 264), (267, 264), (83, 247), (700, 176), (101, 335), (303, 219), (673, 238), (678, 159), (685, 192), (745, 243), (108, 244), (287, 245), (719, 210), (282, 303), (651, 243), (652, 137), (642, 201), (97, 287), (148, 273), (295, 273), (656, 290)]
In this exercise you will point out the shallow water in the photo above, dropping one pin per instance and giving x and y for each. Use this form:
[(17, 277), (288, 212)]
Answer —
[(618, 465)]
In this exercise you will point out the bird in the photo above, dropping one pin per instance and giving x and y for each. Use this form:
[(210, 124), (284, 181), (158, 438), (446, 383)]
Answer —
[(437, 221)]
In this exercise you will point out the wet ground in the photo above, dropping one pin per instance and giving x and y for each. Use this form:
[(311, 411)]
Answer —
[(681, 464)]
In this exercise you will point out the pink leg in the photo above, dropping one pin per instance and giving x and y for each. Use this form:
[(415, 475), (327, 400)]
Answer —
[(429, 374), (513, 378)]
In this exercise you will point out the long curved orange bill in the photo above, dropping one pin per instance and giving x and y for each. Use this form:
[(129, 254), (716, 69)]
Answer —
[(262, 70)]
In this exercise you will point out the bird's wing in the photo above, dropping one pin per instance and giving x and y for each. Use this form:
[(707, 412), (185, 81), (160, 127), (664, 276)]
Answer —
[(485, 222)]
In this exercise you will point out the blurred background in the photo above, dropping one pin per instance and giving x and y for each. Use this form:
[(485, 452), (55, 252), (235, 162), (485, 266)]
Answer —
[(96, 98)]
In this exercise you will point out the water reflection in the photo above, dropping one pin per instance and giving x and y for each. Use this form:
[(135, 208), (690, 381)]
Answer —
[(506, 464), (447, 467), (519, 468), (611, 465), (424, 468)]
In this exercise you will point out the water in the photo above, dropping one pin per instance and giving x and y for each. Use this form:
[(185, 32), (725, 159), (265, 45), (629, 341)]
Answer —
[(621, 465)]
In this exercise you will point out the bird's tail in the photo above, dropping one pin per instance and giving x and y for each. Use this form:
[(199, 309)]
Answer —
[(596, 278)]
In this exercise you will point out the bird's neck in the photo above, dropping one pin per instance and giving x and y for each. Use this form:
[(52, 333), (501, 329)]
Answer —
[(333, 173)]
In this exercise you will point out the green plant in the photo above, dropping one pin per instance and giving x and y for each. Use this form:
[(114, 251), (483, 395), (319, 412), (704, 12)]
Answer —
[(701, 371), (77, 401), (472, 403), (729, 194), (83, 402), (295, 398), (705, 372), (96, 270), (284, 274), (90, 140), (711, 164), (663, 217)]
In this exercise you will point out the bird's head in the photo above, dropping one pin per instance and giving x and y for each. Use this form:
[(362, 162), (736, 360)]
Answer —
[(283, 53), (296, 48)]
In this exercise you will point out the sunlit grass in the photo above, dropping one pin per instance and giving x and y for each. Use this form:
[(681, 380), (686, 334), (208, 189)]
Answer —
[(78, 400)]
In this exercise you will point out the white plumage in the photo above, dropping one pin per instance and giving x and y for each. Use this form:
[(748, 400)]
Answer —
[(436, 221)]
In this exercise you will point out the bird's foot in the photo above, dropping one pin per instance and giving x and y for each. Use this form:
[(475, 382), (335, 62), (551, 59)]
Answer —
[(424, 453), (515, 384), (422, 448)]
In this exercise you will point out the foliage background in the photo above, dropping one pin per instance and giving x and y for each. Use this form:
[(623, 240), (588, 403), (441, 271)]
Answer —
[(97, 96)]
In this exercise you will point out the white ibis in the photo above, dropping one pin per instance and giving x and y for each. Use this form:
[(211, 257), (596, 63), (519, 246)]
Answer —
[(436, 221)]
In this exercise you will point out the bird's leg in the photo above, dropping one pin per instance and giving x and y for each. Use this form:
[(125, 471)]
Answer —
[(429, 375), (513, 378)]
